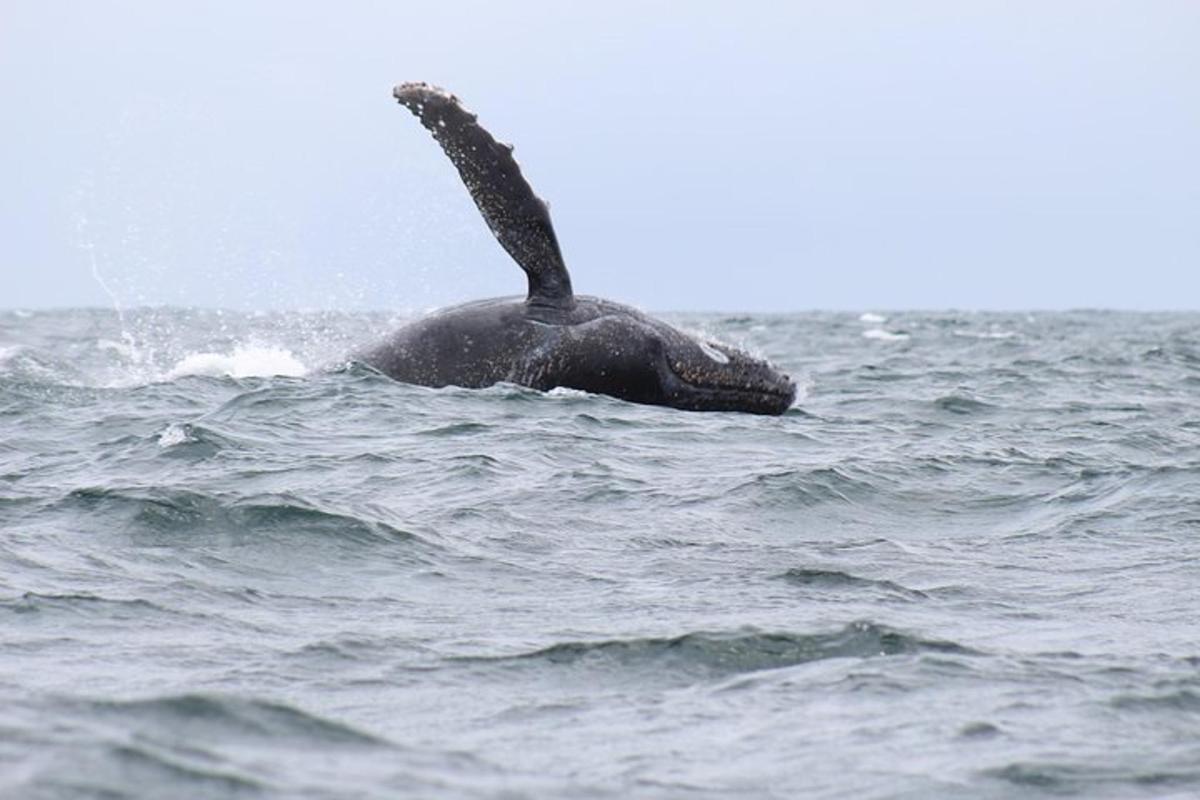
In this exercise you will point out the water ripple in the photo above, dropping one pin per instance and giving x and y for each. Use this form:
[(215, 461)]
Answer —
[(729, 653), (336, 585)]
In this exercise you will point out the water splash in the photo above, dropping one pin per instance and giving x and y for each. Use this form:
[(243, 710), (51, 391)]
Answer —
[(243, 362), (884, 336), (135, 353)]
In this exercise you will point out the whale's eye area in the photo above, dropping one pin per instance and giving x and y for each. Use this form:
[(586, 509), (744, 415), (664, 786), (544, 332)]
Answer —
[(713, 353)]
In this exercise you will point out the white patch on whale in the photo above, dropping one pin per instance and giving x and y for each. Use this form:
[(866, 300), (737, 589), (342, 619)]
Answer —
[(713, 353)]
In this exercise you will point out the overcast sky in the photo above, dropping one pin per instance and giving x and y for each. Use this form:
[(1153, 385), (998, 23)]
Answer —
[(724, 156)]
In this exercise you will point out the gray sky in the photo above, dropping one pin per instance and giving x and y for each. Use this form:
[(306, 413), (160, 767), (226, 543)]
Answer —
[(736, 156)]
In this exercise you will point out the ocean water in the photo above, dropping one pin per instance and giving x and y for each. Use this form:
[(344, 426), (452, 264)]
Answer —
[(965, 565)]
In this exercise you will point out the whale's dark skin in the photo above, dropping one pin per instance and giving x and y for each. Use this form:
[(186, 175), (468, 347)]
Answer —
[(553, 337)]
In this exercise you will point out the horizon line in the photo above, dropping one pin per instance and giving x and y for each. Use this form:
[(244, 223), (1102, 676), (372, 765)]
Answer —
[(772, 312)]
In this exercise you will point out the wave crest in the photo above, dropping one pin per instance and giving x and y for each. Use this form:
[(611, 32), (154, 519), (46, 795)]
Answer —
[(243, 362), (179, 511), (717, 654)]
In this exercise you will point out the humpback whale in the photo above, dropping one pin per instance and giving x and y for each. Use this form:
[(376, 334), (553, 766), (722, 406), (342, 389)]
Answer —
[(553, 337)]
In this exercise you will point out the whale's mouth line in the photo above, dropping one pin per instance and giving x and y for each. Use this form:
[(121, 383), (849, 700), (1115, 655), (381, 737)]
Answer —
[(745, 400), (774, 399), (785, 389), (742, 391)]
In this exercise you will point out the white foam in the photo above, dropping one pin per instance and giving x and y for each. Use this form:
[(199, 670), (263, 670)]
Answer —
[(992, 334), (8, 352), (873, 318), (173, 434), (884, 336), (804, 385), (564, 392), (126, 349), (243, 362)]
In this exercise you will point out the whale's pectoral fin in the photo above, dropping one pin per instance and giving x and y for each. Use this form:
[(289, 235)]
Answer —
[(517, 216)]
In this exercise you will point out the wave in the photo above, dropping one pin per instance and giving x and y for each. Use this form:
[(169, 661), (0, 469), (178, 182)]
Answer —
[(961, 404), (992, 334), (188, 745), (68, 609), (243, 362), (219, 746), (465, 428), (81, 603), (1181, 700), (834, 579), (729, 653), (1090, 779), (879, 334), (180, 512), (802, 487), (138, 769), (219, 718), (8, 352), (21, 364), (193, 440)]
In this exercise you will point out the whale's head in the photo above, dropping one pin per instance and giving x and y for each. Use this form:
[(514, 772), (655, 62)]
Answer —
[(635, 357), (704, 375)]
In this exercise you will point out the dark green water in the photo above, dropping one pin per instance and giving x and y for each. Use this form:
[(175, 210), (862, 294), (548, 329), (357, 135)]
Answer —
[(965, 565)]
